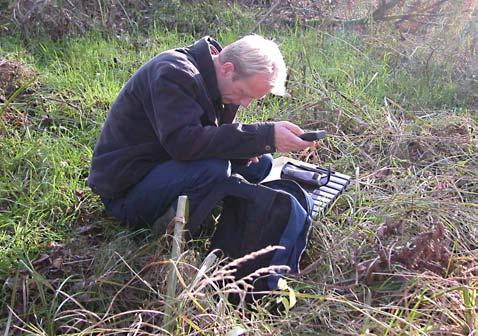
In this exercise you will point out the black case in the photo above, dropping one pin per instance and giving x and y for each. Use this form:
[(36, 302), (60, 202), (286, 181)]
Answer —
[(324, 187)]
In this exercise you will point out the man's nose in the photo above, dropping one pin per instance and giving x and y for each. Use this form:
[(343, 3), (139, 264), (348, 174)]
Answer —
[(245, 102)]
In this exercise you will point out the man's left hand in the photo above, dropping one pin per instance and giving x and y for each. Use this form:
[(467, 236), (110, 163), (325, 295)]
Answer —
[(254, 159)]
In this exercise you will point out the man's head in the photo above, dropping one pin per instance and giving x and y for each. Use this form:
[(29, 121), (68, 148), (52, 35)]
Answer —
[(248, 69)]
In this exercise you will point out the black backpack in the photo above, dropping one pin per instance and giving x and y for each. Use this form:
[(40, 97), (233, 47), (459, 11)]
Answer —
[(255, 216)]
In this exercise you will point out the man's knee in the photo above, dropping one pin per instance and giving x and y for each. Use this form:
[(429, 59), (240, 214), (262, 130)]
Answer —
[(214, 169), (266, 163), (262, 168)]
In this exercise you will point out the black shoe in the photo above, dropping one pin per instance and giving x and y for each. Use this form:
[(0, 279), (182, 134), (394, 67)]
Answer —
[(165, 223)]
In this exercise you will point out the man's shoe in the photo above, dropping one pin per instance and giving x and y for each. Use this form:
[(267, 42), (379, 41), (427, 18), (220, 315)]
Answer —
[(165, 223)]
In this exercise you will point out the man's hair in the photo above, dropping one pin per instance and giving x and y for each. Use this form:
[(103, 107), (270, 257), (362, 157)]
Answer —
[(253, 55)]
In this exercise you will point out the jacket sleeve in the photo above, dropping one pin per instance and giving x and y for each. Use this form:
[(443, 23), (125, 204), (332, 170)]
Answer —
[(177, 122)]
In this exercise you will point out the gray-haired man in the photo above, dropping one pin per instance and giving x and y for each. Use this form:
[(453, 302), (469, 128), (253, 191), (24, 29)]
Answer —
[(171, 130)]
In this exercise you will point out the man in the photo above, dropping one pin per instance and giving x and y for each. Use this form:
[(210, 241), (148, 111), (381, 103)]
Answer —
[(171, 130)]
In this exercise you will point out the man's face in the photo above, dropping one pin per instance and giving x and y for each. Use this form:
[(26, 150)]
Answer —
[(242, 91)]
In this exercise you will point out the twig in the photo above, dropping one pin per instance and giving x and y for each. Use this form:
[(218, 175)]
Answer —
[(311, 267), (76, 107), (269, 12), (383, 8), (9, 321)]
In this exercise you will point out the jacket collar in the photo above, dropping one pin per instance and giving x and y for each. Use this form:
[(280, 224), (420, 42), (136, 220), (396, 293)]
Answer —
[(200, 51)]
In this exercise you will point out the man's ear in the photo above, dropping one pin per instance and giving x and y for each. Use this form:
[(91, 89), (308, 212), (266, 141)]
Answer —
[(228, 68)]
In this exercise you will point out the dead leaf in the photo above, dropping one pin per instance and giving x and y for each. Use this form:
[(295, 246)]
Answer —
[(44, 258), (57, 263)]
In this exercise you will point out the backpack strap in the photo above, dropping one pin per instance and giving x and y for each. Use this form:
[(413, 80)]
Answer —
[(293, 188)]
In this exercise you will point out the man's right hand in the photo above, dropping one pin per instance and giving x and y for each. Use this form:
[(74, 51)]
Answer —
[(286, 137)]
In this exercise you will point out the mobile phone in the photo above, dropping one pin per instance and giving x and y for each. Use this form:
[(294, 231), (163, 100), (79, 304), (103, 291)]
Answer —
[(313, 135)]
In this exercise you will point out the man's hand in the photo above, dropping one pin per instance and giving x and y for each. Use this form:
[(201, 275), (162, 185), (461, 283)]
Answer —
[(254, 159), (286, 137)]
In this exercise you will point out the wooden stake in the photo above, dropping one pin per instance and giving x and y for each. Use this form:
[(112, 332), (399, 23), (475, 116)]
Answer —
[(182, 213)]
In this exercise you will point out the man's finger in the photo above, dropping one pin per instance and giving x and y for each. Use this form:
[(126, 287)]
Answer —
[(294, 128)]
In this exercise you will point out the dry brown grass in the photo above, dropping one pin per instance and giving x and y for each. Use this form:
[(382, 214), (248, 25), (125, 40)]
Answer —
[(58, 19)]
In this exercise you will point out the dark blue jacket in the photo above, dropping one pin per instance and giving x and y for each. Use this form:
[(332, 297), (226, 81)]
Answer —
[(171, 109)]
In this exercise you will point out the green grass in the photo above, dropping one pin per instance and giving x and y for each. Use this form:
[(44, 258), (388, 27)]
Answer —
[(401, 128)]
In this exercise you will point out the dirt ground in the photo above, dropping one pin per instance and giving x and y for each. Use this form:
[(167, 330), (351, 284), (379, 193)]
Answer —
[(13, 75)]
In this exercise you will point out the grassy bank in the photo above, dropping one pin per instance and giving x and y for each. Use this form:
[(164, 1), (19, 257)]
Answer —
[(395, 255)]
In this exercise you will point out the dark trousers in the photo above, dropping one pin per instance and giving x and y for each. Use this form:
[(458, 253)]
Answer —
[(160, 188)]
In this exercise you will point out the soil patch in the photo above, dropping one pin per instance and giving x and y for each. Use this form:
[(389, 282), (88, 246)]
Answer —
[(13, 75)]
